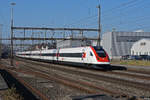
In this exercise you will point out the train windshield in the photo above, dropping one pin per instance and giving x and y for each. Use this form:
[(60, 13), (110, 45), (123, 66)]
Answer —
[(100, 51)]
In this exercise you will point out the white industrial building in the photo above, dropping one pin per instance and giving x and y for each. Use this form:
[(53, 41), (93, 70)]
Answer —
[(141, 47), (118, 44)]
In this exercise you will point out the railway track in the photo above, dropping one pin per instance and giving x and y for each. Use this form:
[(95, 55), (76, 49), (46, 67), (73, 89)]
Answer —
[(121, 73), (133, 70), (81, 85), (146, 74), (137, 85), (138, 71), (32, 89), (73, 83)]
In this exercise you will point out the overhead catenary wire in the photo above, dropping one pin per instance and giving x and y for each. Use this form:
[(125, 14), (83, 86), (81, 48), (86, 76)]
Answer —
[(121, 6), (125, 5), (125, 12), (81, 20), (125, 18), (147, 26), (133, 21)]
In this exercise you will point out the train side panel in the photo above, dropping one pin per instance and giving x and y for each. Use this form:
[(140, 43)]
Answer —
[(80, 55)]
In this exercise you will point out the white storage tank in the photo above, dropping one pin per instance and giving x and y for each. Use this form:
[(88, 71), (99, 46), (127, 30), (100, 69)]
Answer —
[(141, 47)]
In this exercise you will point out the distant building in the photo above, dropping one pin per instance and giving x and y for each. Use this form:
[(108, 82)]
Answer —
[(42, 46), (94, 42), (118, 44), (141, 47), (72, 43)]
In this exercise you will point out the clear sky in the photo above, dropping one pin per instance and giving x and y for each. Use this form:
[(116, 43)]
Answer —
[(124, 15)]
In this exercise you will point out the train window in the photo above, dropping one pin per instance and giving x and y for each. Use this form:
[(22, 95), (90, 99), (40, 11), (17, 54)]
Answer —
[(100, 51), (91, 54), (70, 54), (37, 54)]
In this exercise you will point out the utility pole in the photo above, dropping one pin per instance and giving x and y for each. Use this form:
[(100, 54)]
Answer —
[(1, 40), (11, 61), (99, 25)]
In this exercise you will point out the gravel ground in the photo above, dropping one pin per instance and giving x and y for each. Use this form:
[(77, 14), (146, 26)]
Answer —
[(134, 73), (114, 75), (108, 85), (1, 95), (136, 67), (64, 92), (53, 90), (111, 86)]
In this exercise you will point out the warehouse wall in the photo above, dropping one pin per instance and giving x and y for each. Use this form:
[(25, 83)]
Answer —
[(107, 43), (121, 42)]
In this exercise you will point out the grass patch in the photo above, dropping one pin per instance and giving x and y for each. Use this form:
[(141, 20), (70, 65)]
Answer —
[(11, 94), (132, 62)]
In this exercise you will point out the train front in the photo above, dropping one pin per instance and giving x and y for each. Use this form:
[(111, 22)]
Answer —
[(101, 56)]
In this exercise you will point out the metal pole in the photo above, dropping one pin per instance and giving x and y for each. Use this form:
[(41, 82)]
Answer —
[(0, 41), (11, 61), (24, 40), (82, 44), (99, 25)]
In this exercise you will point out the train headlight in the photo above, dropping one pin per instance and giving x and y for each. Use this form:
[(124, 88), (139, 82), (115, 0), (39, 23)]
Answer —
[(98, 58)]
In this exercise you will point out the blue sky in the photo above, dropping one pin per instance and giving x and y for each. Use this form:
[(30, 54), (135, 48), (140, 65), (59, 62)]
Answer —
[(124, 15)]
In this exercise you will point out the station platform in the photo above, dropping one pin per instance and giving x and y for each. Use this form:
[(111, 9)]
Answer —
[(3, 84)]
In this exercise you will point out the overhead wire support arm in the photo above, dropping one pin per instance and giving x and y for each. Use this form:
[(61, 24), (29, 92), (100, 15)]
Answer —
[(52, 38), (28, 38), (55, 29)]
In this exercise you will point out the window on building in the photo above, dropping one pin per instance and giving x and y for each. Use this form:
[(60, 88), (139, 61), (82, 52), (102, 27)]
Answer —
[(132, 52), (143, 44), (146, 53)]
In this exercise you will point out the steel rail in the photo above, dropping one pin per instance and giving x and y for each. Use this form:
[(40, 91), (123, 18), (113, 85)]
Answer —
[(138, 85), (35, 91), (138, 71), (43, 97), (61, 79)]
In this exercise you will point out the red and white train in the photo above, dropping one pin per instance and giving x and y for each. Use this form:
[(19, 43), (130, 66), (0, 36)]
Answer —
[(81, 56)]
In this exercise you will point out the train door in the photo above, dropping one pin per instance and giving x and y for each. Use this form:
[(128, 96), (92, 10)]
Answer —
[(89, 56), (40, 56), (57, 55), (83, 55), (53, 55)]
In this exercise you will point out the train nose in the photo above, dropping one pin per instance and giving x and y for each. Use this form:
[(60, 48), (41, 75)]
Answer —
[(102, 59)]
